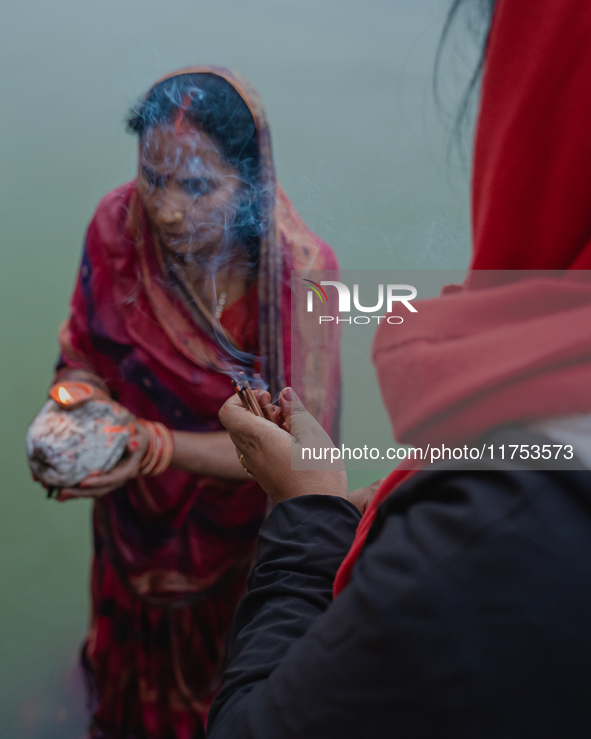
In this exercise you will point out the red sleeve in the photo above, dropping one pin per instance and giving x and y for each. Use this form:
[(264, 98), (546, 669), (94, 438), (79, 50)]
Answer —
[(94, 316)]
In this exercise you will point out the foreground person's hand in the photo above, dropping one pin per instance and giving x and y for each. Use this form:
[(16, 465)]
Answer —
[(96, 485), (362, 497), (265, 449)]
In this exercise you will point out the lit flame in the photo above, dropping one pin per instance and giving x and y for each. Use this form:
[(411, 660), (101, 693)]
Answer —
[(64, 396)]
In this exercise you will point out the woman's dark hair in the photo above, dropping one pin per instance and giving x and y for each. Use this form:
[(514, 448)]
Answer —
[(212, 105), (477, 18)]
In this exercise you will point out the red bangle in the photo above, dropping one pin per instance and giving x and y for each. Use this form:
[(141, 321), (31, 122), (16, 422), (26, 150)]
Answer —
[(160, 448)]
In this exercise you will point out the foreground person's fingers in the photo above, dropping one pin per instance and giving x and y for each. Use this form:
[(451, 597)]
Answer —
[(247, 430), (302, 425), (265, 450), (362, 497), (270, 412)]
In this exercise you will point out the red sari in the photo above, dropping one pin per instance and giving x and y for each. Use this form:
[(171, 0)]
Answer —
[(171, 553)]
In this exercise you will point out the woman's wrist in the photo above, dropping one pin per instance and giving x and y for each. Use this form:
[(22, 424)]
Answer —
[(159, 452), (208, 453)]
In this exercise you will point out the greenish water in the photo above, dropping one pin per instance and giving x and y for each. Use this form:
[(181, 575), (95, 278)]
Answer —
[(347, 86)]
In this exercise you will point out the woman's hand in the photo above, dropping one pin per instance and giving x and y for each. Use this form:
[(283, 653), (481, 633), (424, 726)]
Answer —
[(98, 484), (265, 448)]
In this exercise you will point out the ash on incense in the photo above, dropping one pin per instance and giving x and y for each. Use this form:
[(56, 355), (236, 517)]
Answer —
[(65, 446)]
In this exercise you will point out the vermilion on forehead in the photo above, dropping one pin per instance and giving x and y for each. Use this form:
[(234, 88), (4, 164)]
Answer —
[(190, 153)]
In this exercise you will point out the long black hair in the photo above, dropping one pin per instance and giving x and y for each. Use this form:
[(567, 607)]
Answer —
[(476, 16), (212, 105)]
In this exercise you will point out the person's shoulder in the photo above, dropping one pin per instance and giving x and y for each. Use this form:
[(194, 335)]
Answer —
[(109, 227), (304, 248), (451, 512), (326, 255), (114, 205)]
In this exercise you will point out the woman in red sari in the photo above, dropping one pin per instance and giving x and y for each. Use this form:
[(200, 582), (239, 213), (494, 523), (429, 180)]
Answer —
[(184, 280)]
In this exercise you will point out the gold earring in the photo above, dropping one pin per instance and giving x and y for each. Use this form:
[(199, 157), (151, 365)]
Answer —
[(177, 215)]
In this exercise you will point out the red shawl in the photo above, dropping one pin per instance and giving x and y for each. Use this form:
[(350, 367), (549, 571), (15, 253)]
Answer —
[(508, 348)]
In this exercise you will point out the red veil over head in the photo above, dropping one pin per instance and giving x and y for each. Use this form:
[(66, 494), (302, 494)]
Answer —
[(508, 350)]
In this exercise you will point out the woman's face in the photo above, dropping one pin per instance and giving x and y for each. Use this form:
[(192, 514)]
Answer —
[(189, 191)]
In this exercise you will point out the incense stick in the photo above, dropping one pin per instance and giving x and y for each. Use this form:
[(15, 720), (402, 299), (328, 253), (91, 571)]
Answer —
[(247, 397), (256, 408)]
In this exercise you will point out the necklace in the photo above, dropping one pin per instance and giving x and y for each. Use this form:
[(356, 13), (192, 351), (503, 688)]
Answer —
[(223, 296), (220, 306), (221, 302)]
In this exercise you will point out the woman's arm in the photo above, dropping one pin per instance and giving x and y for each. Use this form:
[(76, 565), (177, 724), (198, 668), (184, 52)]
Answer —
[(211, 453)]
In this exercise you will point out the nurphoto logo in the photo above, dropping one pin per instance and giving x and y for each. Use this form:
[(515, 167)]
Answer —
[(394, 294), (317, 289)]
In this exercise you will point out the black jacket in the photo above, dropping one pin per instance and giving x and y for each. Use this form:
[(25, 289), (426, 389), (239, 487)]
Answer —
[(468, 615)]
